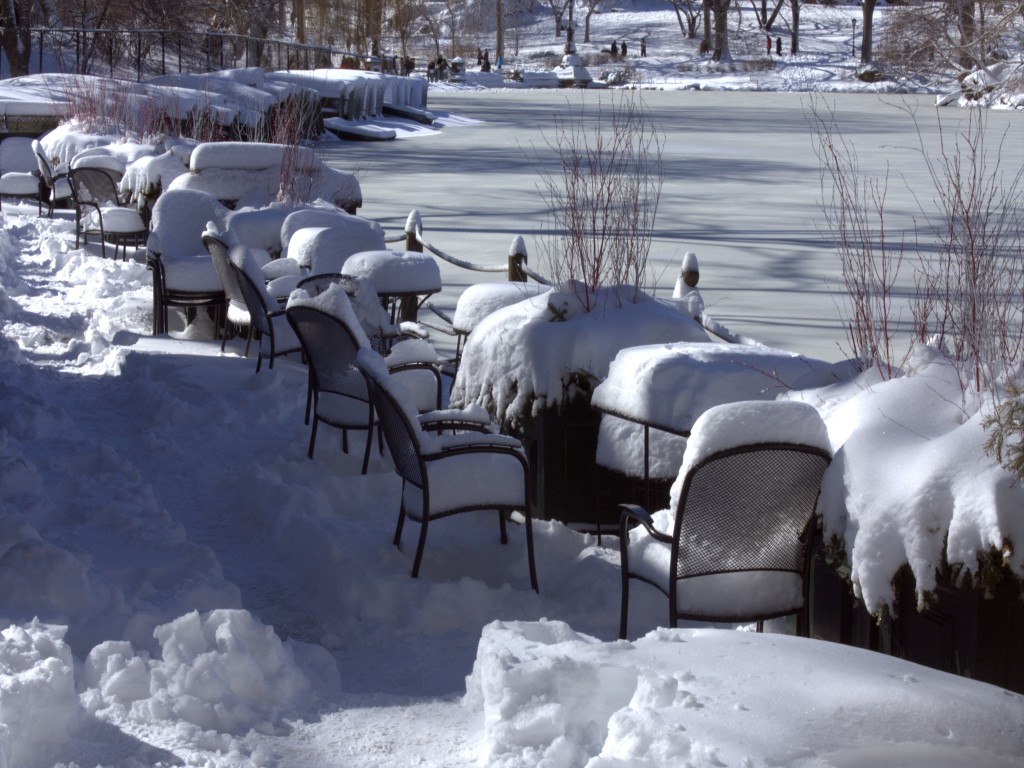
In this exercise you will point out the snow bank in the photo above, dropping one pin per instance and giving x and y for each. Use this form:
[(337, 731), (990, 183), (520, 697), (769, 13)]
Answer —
[(552, 696)]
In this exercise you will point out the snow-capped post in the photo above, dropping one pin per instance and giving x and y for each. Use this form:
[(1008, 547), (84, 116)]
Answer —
[(413, 225), (517, 260)]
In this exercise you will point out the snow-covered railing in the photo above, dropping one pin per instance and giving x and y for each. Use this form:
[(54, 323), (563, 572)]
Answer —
[(516, 269)]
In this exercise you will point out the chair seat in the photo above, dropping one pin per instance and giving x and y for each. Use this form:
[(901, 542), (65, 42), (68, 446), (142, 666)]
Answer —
[(191, 274), (61, 188), (450, 488), (285, 340), (117, 220), (18, 183)]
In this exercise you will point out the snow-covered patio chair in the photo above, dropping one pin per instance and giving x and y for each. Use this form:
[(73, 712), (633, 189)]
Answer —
[(19, 172), (373, 318), (237, 315), (99, 211), (56, 185), (449, 461), (266, 314), (331, 335), (734, 545), (183, 272)]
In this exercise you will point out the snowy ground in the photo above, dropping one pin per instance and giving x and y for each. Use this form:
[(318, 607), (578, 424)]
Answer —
[(228, 602)]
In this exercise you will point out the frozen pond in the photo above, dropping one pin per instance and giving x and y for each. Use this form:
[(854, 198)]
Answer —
[(742, 191)]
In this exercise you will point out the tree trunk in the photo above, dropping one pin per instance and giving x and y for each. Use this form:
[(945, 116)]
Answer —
[(966, 21), (586, 24), (868, 12), (499, 42), (16, 18), (721, 41), (706, 44), (794, 39)]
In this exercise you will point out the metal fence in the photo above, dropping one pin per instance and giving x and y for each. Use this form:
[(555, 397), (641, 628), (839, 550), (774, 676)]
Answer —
[(144, 53)]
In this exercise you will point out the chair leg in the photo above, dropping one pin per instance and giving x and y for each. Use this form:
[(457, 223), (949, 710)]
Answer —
[(529, 547), (312, 437), (502, 526), (309, 392), (369, 445), (624, 607), (401, 522), (419, 547)]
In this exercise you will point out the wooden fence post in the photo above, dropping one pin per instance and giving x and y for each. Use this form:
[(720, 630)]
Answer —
[(517, 260)]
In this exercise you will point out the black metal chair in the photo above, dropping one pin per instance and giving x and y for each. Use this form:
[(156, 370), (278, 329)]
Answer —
[(373, 317), (265, 313), (331, 335), (237, 314), (99, 211), (743, 524), (448, 464), (340, 397), (375, 324), (56, 187), (183, 273), (19, 172)]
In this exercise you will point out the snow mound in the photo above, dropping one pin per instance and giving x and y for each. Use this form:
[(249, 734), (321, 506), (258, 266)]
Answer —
[(222, 671)]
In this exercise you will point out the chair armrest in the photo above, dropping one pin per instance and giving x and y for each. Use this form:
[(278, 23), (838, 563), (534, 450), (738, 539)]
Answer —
[(476, 416), (468, 443), (633, 512), (410, 330)]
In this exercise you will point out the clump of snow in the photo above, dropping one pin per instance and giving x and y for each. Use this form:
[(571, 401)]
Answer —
[(222, 671), (38, 704)]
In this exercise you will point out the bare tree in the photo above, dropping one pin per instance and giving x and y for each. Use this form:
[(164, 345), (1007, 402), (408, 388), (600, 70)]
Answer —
[(688, 15), (558, 9)]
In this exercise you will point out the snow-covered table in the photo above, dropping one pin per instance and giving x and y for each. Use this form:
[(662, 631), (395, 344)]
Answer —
[(667, 386), (398, 276)]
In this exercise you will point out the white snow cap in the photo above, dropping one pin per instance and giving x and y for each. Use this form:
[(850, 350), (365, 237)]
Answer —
[(690, 262)]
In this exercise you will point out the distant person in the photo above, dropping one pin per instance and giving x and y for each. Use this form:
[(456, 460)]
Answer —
[(623, 49), (486, 66), (778, 45), (479, 57), (643, 47), (615, 49), (769, 45)]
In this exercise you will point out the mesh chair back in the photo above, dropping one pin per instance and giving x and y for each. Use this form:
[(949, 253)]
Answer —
[(219, 254), (331, 351), (748, 509), (354, 287), (258, 310), (94, 185), (401, 436)]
